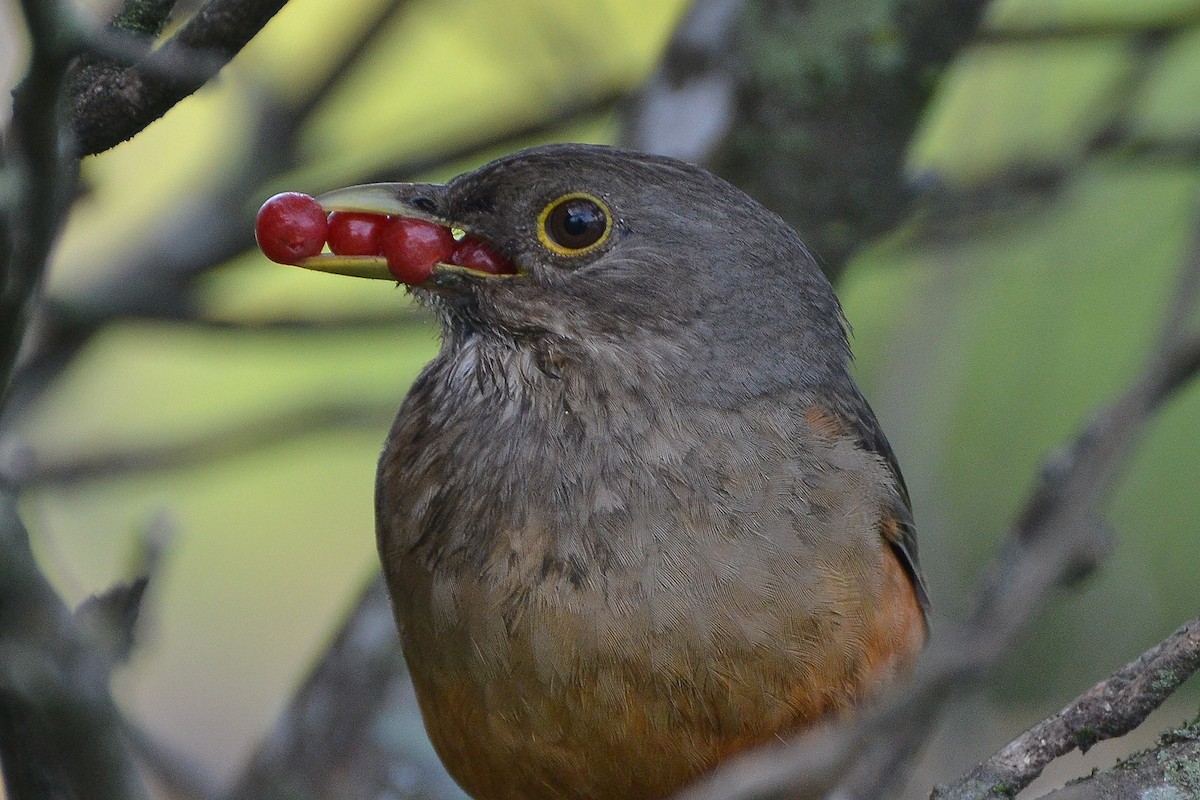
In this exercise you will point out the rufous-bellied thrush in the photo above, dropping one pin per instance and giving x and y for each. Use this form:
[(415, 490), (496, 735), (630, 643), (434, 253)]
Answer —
[(636, 516)]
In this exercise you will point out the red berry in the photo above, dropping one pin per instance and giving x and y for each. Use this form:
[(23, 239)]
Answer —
[(355, 234), (413, 246), (290, 226), (479, 255)]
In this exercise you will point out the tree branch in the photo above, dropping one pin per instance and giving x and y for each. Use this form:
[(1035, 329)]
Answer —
[(1111, 708), (182, 779), (112, 105), (60, 734), (59, 730), (42, 177), (1166, 771)]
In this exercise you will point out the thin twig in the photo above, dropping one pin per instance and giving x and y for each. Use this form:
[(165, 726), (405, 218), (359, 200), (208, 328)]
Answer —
[(1165, 771), (246, 436), (1111, 708), (1066, 27), (175, 771)]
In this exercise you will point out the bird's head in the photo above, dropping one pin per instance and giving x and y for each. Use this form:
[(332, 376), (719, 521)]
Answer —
[(615, 246)]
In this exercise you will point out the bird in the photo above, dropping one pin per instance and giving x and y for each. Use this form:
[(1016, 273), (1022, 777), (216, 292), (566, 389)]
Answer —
[(635, 517)]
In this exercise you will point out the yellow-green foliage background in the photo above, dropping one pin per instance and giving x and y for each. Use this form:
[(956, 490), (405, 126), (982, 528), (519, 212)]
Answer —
[(981, 344)]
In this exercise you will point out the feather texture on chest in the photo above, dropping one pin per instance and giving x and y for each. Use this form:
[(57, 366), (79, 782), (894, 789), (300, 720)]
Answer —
[(512, 481)]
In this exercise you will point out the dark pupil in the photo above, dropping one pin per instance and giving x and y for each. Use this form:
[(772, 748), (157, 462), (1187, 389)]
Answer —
[(576, 224)]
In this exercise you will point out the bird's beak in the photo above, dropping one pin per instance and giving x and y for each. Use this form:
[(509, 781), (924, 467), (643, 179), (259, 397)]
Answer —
[(384, 199), (390, 199)]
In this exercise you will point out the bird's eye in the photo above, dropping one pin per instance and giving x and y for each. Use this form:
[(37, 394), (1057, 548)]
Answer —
[(574, 224)]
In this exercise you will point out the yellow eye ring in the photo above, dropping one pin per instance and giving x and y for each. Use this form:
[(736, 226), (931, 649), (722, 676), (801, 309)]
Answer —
[(574, 224)]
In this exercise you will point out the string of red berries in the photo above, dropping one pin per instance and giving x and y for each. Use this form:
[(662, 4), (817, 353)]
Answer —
[(292, 226)]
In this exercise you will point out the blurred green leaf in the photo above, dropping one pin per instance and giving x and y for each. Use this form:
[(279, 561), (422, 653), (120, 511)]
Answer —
[(1016, 104)]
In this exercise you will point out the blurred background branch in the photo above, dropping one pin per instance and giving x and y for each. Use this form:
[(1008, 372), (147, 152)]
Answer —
[(60, 734), (58, 726)]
